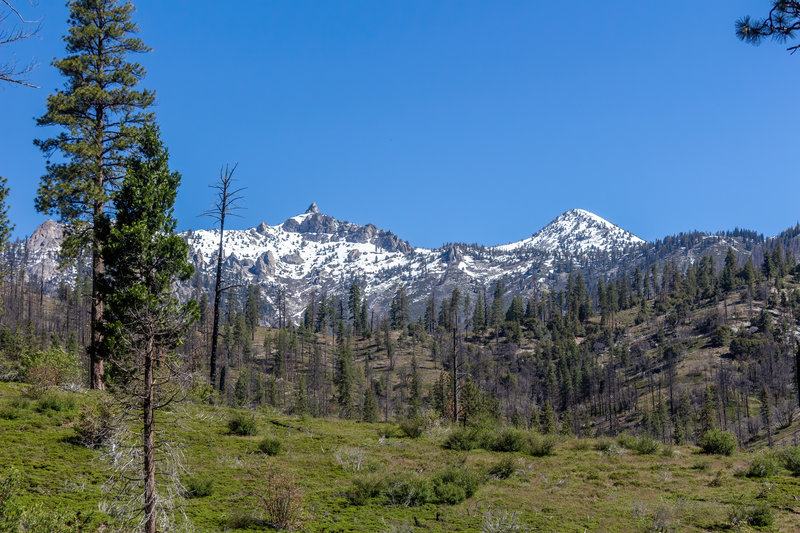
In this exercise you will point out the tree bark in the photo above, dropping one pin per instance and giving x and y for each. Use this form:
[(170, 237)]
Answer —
[(97, 361), (148, 441)]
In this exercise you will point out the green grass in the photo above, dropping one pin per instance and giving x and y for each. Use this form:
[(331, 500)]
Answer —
[(580, 486)]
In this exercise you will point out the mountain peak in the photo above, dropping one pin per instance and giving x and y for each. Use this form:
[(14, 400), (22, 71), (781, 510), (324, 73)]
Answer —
[(312, 209), (578, 231)]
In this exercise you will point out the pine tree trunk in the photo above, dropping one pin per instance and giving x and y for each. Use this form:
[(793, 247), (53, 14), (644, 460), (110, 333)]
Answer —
[(96, 369), (148, 441)]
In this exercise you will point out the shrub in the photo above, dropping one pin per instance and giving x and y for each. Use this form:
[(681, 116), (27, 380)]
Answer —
[(45, 368), (350, 459), (270, 446), (413, 427), (243, 425), (715, 441), (9, 413), (762, 466), (501, 522), (541, 445), (198, 487), (645, 445), (504, 468), (55, 401), (790, 456), (409, 490), (454, 484), (95, 425), (466, 438), (282, 501), (508, 440), (365, 487), (627, 441), (758, 515)]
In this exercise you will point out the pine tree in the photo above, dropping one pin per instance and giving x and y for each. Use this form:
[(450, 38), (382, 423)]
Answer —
[(496, 315), (5, 225), (143, 321), (369, 410), (344, 380), (101, 112), (415, 385)]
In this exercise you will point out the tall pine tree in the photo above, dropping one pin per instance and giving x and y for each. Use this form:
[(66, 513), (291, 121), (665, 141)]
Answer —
[(100, 112)]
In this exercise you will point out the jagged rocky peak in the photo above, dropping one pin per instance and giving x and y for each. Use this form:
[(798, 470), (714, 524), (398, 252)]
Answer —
[(312, 209), (47, 236)]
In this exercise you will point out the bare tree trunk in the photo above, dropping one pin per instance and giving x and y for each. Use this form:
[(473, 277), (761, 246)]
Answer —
[(148, 441), (96, 364), (217, 298), (225, 205)]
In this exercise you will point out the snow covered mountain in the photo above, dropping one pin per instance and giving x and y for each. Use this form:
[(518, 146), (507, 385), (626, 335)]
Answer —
[(313, 253), (577, 232)]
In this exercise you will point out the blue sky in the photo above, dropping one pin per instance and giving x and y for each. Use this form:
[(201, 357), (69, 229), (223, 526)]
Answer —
[(454, 121)]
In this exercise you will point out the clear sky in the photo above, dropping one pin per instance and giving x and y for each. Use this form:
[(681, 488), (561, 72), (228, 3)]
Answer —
[(454, 120)]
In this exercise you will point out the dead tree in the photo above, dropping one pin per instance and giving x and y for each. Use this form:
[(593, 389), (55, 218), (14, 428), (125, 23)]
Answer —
[(9, 34), (225, 206)]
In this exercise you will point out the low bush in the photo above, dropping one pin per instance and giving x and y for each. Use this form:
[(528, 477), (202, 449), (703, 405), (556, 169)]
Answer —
[(508, 440), (762, 466), (715, 441), (242, 424), (467, 438), (270, 446), (409, 489), (95, 425), (199, 487), (758, 515), (541, 445), (9, 413), (790, 457), (454, 484), (645, 445), (282, 501), (366, 487), (55, 401), (413, 427), (503, 469)]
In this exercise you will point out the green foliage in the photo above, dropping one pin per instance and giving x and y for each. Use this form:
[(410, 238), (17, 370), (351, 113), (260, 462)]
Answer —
[(56, 401), (15, 517), (199, 487), (95, 425), (46, 368), (5, 225), (757, 515), (763, 466), (454, 484), (270, 446), (409, 489), (467, 438), (503, 469), (242, 424), (99, 111), (143, 259), (507, 440), (366, 487), (643, 444), (790, 456), (541, 445), (718, 442), (413, 427)]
